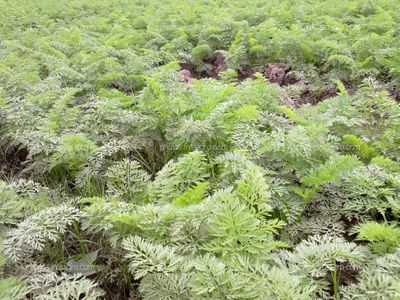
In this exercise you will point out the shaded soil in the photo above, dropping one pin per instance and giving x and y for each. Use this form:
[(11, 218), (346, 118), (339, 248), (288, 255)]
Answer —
[(346, 274), (214, 66), (12, 162), (310, 97), (394, 94)]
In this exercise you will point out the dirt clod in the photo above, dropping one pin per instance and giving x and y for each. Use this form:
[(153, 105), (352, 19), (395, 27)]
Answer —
[(185, 76), (276, 72)]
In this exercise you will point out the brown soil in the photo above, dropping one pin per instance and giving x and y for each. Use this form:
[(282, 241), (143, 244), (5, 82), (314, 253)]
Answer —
[(277, 73), (308, 97), (249, 72), (218, 65), (394, 94), (186, 76), (189, 69), (347, 274), (215, 65), (280, 74)]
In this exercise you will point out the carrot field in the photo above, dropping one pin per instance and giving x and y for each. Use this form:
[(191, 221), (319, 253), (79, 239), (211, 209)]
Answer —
[(209, 149)]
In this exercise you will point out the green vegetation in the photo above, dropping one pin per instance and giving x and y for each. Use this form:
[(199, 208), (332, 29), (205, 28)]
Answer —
[(182, 150)]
